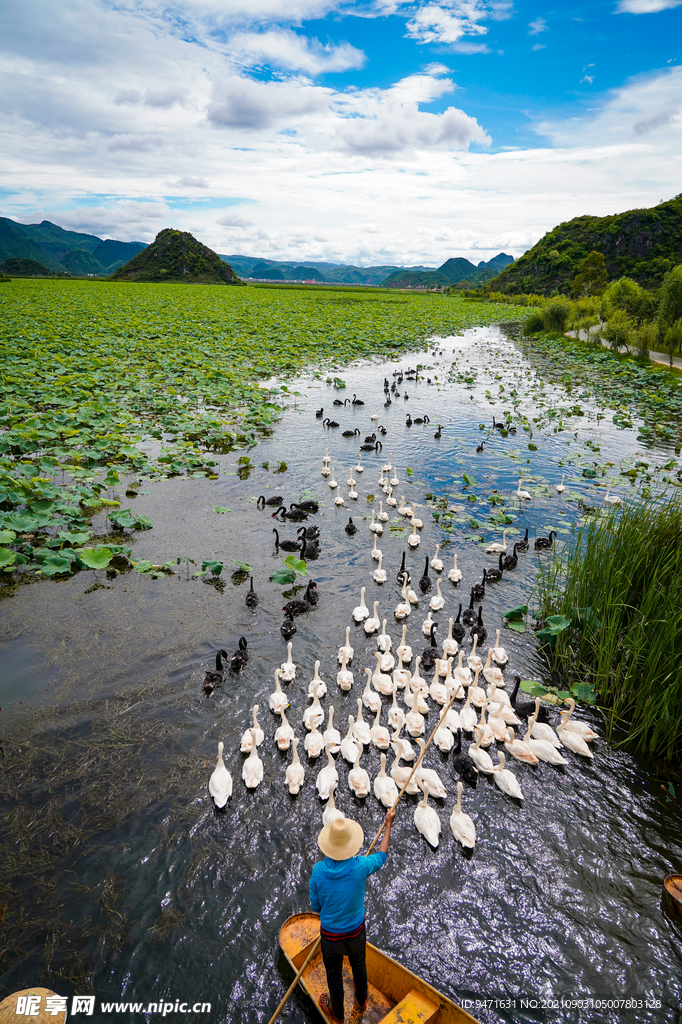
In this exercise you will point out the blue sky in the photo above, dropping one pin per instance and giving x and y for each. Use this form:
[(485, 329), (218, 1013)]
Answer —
[(378, 131)]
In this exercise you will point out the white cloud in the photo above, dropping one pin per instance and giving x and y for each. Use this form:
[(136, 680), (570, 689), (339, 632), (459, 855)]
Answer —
[(448, 22), (646, 6), (537, 26), (189, 181), (283, 48), (243, 103)]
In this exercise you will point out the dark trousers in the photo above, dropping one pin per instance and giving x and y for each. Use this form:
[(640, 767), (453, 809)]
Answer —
[(333, 952)]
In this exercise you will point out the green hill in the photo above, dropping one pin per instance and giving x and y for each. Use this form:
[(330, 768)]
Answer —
[(110, 251), (641, 244), (453, 272), (56, 241), (264, 272), (81, 263), (14, 243), (19, 266), (177, 256)]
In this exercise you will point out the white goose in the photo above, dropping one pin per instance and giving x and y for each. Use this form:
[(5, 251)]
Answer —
[(350, 481), (559, 488), (396, 715), (412, 697), (358, 779), (426, 819), (295, 773), (338, 500), (417, 681), (461, 674), (349, 745), (330, 812), (541, 731), (361, 729), (344, 677), (480, 757), (573, 741), (436, 562), (333, 484), (474, 660), (450, 645), (428, 624), (287, 670), (496, 721), (284, 734), (381, 681), (612, 499), (252, 769), (379, 574), (359, 468), (518, 749), (385, 789), (394, 479), (403, 509), (491, 672), (220, 783), (383, 516), (387, 467), (443, 738), (523, 495), (370, 698), (414, 520), (327, 776), (506, 780), (543, 749), (401, 773), (352, 493), (373, 623), (314, 742), (248, 734), (374, 526), (414, 540), (404, 650), (429, 775), (402, 609), (455, 575), (325, 458), (332, 736), (485, 729), (278, 699), (582, 728), (376, 552), (346, 649), (402, 747), (478, 694), (499, 653), (463, 828), (452, 720), (384, 642), (379, 733), (361, 611), (467, 715), (438, 691), (497, 546), (313, 715), (437, 601), (390, 500), (325, 473)]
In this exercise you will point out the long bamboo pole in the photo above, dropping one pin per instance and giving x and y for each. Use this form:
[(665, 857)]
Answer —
[(316, 946)]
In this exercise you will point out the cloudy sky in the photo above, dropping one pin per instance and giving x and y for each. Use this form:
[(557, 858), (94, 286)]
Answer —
[(367, 131)]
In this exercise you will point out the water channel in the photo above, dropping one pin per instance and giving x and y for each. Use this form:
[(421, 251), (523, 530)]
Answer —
[(122, 880)]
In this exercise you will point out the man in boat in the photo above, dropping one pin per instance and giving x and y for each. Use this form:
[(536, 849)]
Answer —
[(337, 893)]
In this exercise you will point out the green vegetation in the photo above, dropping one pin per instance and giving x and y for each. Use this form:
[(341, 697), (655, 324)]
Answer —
[(20, 266), (92, 373), (641, 244), (176, 256), (618, 588), (454, 272)]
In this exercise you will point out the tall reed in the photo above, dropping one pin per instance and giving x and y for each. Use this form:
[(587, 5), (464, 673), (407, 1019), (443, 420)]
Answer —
[(627, 567)]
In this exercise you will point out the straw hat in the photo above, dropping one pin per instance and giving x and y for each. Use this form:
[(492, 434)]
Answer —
[(341, 839)]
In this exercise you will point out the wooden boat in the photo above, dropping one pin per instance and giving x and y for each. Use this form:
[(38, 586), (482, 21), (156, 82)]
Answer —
[(395, 996), (672, 895)]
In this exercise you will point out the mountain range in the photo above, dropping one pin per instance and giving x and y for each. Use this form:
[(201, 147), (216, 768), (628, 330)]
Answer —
[(64, 252)]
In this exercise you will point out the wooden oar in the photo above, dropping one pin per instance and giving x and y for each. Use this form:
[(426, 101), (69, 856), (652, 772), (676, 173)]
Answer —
[(316, 946)]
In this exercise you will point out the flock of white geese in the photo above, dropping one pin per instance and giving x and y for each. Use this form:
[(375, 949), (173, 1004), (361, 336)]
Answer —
[(486, 712)]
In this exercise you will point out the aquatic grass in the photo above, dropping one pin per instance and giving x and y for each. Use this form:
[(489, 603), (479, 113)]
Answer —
[(623, 569)]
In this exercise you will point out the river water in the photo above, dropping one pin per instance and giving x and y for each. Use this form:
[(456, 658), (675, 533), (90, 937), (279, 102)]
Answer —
[(119, 877)]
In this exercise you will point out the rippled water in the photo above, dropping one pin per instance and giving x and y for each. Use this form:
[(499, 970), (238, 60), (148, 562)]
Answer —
[(131, 886)]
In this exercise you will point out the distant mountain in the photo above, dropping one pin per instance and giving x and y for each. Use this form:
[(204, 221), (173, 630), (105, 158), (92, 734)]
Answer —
[(177, 256), (265, 272), (110, 251), (335, 273), (14, 243), (641, 244), (453, 272), (54, 247), (18, 266)]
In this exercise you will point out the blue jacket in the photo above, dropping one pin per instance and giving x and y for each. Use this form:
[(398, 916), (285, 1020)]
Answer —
[(337, 891)]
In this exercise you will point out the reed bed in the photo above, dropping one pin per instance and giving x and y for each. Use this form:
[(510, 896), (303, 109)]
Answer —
[(626, 654)]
